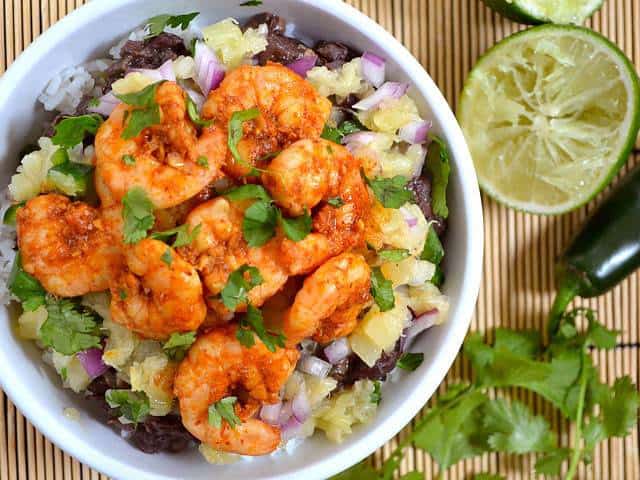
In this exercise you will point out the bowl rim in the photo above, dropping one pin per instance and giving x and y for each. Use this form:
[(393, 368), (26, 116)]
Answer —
[(425, 385)]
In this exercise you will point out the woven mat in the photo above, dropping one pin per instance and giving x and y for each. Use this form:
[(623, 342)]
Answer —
[(447, 36)]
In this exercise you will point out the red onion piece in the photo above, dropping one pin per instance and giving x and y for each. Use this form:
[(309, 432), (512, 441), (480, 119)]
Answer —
[(197, 98), (357, 140), (271, 413), (415, 132), (209, 70), (106, 104), (286, 412), (387, 91), (300, 406), (314, 366), (291, 429), (164, 72), (337, 350), (373, 69), (92, 362), (303, 65), (420, 324)]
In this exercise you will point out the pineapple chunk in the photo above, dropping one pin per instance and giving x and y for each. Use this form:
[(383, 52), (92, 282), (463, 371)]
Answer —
[(341, 82), (184, 67), (121, 342), (391, 115), (154, 376), (409, 271), (428, 297), (73, 374), (29, 323), (132, 83), (31, 177), (216, 457), (318, 388), (232, 46), (389, 227)]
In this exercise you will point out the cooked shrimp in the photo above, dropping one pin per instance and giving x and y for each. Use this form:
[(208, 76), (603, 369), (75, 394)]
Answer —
[(290, 109), (330, 299), (158, 293), (218, 366), (304, 175), (169, 160), (220, 249), (66, 246)]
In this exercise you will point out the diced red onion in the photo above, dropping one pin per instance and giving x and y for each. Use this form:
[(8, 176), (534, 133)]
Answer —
[(420, 324), (337, 350), (164, 72), (303, 65), (300, 406), (291, 429), (314, 366), (271, 413), (197, 98), (286, 412), (209, 70), (358, 139), (387, 91), (106, 104), (92, 362), (373, 69), (415, 132)]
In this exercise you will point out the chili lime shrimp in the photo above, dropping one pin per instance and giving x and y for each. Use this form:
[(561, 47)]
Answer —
[(290, 109), (330, 300), (157, 293), (220, 249), (217, 366), (305, 175), (66, 245), (169, 160)]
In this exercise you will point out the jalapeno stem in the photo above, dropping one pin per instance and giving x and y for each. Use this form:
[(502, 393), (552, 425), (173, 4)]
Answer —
[(569, 289)]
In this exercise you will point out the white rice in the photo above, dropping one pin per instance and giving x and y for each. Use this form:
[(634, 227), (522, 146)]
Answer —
[(7, 252), (65, 90)]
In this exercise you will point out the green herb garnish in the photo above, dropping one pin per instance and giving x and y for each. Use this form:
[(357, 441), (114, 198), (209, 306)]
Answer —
[(69, 328), (390, 192), (71, 131), (138, 216), (236, 131), (332, 134), (238, 285), (157, 24), (251, 3), (248, 192), (181, 235), (410, 361), (433, 250), (259, 223), (252, 322), (128, 160), (25, 287), (393, 255), (439, 168), (192, 110), (166, 257), (147, 113), (11, 214), (202, 161), (178, 344), (296, 228), (335, 202), (224, 410), (376, 395), (134, 406), (382, 290)]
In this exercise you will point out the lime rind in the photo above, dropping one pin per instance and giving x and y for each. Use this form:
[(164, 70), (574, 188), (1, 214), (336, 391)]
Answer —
[(603, 167), (536, 12)]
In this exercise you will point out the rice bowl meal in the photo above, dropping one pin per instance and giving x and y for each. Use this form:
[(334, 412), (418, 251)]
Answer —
[(227, 238)]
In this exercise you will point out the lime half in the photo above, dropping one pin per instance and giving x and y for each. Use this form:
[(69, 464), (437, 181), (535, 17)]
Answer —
[(534, 12), (550, 115)]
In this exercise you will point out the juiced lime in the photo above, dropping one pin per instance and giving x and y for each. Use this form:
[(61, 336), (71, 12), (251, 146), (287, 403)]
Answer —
[(534, 12), (550, 115)]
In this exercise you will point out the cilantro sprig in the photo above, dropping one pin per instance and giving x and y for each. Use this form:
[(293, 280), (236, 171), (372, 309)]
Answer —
[(25, 287), (182, 235), (71, 131), (137, 213), (469, 419), (438, 166), (157, 24), (238, 286), (253, 323), (69, 328), (178, 344), (382, 290), (133, 406), (146, 113), (224, 410), (390, 192), (236, 131)]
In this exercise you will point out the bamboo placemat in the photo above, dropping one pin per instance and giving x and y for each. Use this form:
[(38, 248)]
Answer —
[(447, 36)]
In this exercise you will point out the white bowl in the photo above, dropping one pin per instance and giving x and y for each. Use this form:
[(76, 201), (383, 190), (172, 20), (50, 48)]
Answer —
[(89, 32)]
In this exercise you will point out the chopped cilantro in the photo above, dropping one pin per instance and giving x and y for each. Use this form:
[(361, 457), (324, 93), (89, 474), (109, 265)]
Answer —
[(157, 24), (128, 160), (192, 110), (71, 131), (297, 228), (382, 290), (439, 168), (178, 344), (167, 257), (393, 255), (238, 285), (376, 395), (71, 178), (332, 134), (248, 192), (139, 120), (259, 223), (69, 328), (433, 250), (390, 192), (134, 406), (143, 98), (182, 235), (11, 214), (236, 131), (335, 202), (223, 410), (252, 322), (202, 161), (138, 215), (251, 3), (122, 294), (25, 287), (438, 277), (410, 361)]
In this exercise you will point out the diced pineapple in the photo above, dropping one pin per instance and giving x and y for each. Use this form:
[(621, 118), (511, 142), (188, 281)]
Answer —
[(232, 46), (407, 164), (131, 83), (216, 457), (319, 388), (121, 342), (340, 82), (379, 331), (73, 374), (391, 115), (428, 297), (337, 415), (390, 227), (31, 177), (409, 271), (154, 376), (184, 67), (29, 323)]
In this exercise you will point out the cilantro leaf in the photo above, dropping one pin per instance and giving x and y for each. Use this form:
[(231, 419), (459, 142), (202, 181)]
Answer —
[(376, 395), (350, 126), (259, 223), (360, 471), (178, 344), (157, 24), (619, 405), (236, 131), (202, 161), (143, 98), (192, 111), (11, 214), (223, 410), (252, 322), (410, 361), (69, 328), (71, 131), (433, 251), (248, 192), (251, 3), (167, 257), (551, 463), (182, 235), (128, 160), (297, 228), (382, 290), (139, 120), (137, 213), (390, 192), (438, 277), (134, 406), (512, 428), (332, 134), (335, 202), (393, 255), (25, 287), (438, 166), (239, 283), (71, 178)]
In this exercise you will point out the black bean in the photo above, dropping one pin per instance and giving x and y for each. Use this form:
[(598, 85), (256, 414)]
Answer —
[(334, 54), (274, 23), (421, 188), (281, 49)]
